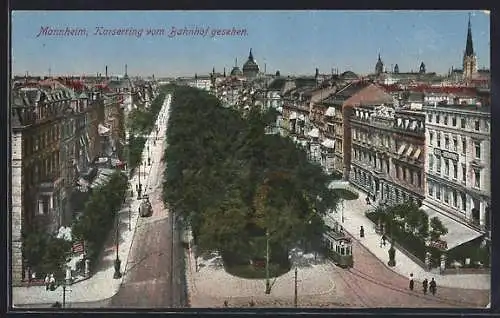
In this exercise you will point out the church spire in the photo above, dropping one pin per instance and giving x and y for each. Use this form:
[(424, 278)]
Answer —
[(469, 49), (250, 56)]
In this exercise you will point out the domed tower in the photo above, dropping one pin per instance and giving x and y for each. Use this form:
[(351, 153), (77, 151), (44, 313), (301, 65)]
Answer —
[(396, 69), (379, 67), (422, 68), (250, 68), (236, 70), (470, 59)]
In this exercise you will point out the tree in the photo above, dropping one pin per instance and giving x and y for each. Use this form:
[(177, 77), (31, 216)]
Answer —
[(423, 225), (437, 229)]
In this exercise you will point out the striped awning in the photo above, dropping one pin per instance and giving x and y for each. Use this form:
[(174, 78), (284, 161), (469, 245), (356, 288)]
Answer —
[(330, 111), (314, 133), (328, 143), (409, 151), (401, 149), (416, 155)]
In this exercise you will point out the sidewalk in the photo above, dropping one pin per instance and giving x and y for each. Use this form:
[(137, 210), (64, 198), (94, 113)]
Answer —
[(102, 285), (354, 218)]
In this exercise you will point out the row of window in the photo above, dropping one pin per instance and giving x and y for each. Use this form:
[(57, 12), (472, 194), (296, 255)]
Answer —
[(453, 121), (451, 143), (449, 169), (448, 196)]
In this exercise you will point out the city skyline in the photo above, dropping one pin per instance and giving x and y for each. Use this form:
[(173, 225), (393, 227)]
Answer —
[(293, 42)]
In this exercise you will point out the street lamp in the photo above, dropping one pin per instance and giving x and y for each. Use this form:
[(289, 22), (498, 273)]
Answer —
[(129, 218), (149, 156), (268, 285), (139, 187), (118, 262), (392, 251)]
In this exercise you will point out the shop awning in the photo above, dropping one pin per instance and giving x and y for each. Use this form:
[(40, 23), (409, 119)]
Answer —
[(314, 133), (330, 111), (401, 149), (328, 143), (416, 155), (293, 115), (458, 233), (103, 130), (409, 151)]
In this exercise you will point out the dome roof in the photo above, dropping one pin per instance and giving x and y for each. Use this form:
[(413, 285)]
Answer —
[(349, 75), (250, 65)]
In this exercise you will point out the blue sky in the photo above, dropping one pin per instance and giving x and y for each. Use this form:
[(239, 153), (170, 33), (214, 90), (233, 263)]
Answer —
[(294, 42)]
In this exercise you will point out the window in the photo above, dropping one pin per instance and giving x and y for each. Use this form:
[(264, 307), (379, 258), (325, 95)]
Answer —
[(431, 162), (446, 120), (438, 192), (431, 189), (455, 143), (462, 123), (446, 167), (477, 147), (446, 195), (476, 125), (437, 118), (438, 164), (464, 201), (438, 137), (429, 118), (455, 198), (431, 137), (477, 178), (455, 170), (447, 142), (464, 145), (454, 121), (464, 172)]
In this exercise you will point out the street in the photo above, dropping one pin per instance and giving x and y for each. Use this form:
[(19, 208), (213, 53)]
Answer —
[(152, 278)]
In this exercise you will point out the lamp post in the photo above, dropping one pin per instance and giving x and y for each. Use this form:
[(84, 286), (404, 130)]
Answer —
[(392, 251), (117, 273), (149, 156), (268, 289), (129, 218), (295, 289), (139, 188)]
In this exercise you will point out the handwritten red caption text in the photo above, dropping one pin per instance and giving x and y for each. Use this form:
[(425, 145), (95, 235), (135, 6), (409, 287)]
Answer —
[(172, 32)]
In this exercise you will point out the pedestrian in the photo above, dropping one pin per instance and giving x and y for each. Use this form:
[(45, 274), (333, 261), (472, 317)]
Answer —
[(52, 282), (225, 303), (432, 286), (411, 281), (424, 286), (384, 239), (361, 232), (368, 200), (47, 282)]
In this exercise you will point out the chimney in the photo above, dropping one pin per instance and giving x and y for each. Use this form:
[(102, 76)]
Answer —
[(106, 72)]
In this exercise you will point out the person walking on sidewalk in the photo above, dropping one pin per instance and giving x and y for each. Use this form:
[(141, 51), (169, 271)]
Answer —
[(432, 286), (424, 286), (384, 239), (361, 232), (52, 282), (411, 281), (47, 282)]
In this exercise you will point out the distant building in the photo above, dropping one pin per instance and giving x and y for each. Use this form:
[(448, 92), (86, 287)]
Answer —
[(250, 68)]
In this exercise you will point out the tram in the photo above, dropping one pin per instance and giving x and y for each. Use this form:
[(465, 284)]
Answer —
[(145, 209), (338, 246)]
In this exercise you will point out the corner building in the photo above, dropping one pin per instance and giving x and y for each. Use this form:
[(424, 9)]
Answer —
[(458, 167)]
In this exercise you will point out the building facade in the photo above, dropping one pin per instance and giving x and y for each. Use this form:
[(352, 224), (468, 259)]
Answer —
[(387, 152), (458, 167)]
